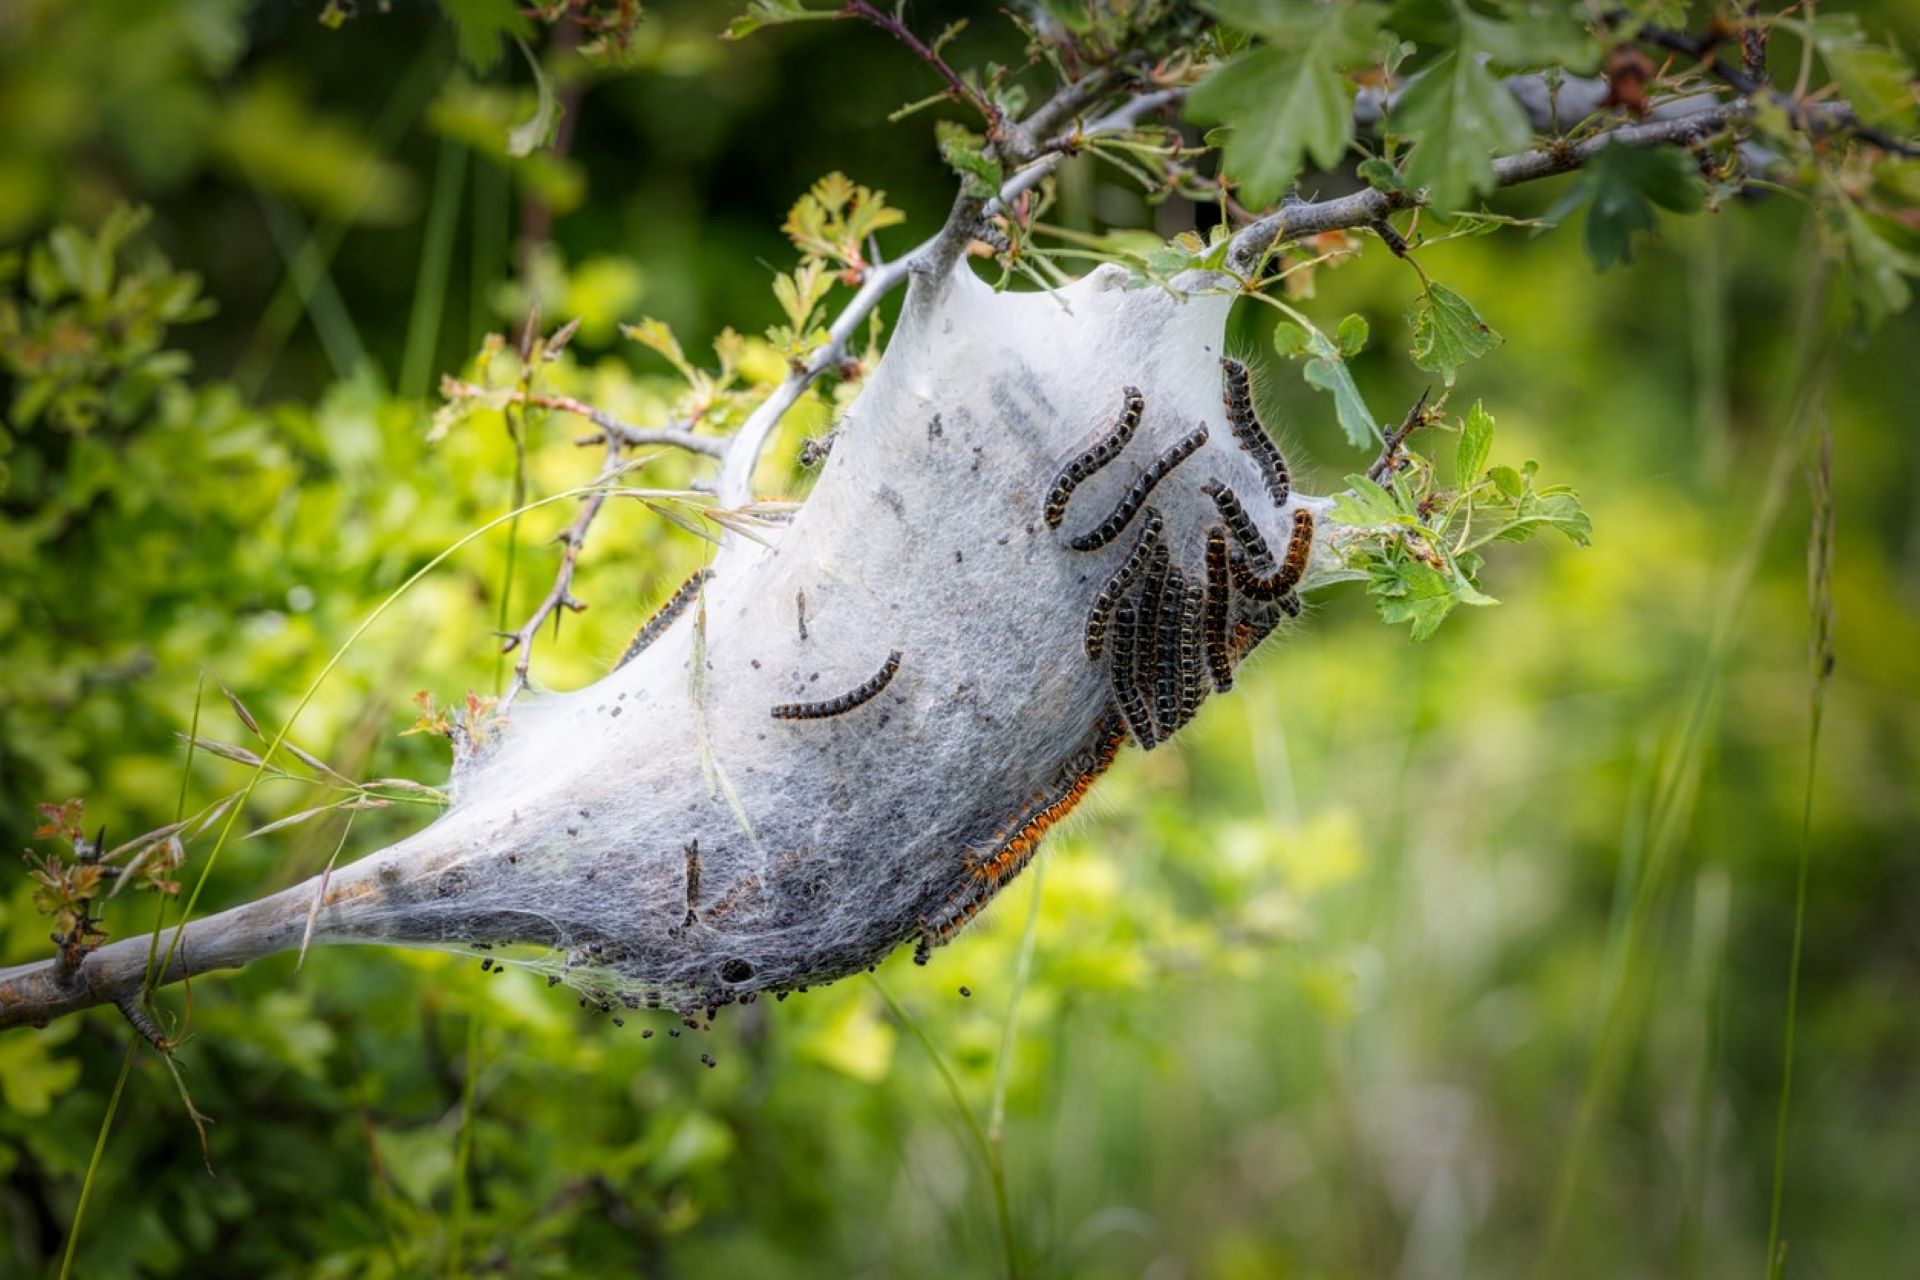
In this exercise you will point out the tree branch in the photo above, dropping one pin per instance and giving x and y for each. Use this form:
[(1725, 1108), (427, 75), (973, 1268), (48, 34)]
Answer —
[(628, 435), (1253, 242), (956, 87), (932, 258)]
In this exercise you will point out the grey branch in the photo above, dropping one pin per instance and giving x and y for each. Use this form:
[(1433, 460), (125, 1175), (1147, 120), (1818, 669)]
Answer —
[(626, 434)]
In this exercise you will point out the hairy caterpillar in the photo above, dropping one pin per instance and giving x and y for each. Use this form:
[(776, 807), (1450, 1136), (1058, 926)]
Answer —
[(1112, 527), (663, 617), (1150, 528), (847, 701), (1146, 667), (1219, 600), (1193, 674), (1238, 522), (1015, 846), (1166, 703), (1133, 704), (1283, 582), (1253, 437), (1104, 450), (693, 882)]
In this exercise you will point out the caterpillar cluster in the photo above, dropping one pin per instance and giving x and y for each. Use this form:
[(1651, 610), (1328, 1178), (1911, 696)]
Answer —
[(1168, 637)]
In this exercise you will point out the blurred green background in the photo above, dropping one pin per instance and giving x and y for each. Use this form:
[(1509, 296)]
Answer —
[(1464, 958)]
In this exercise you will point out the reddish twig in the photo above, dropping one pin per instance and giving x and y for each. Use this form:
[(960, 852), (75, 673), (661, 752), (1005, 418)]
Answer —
[(956, 87)]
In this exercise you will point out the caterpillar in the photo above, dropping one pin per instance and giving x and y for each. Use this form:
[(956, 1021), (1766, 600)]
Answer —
[(1253, 437), (1146, 647), (733, 898), (1115, 524), (1104, 450), (693, 883), (1238, 522), (1214, 620), (663, 617), (1193, 673), (1150, 527), (1014, 847), (1283, 582), (1166, 703), (847, 701), (1126, 692)]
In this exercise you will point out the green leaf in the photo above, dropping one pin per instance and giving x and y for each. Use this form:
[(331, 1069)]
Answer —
[(1287, 100), (478, 26), (1327, 371), (1875, 79), (537, 130), (1289, 339), (1623, 184), (1476, 443), (1352, 335), (1460, 117), (1380, 174), (774, 13), (1448, 332), (1507, 481), (1409, 591), (965, 153), (1366, 503), (1533, 33), (1877, 269)]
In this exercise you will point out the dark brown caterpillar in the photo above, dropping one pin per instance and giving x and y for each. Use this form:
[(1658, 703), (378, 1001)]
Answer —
[(1146, 649), (1133, 704), (1166, 692), (1288, 577), (846, 701), (1214, 619), (1193, 663), (1104, 450), (1115, 524), (663, 617), (1238, 522), (1253, 437), (1013, 848), (1150, 527)]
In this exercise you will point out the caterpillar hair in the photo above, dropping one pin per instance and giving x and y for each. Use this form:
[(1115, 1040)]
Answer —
[(1253, 437), (1126, 691), (663, 617), (1238, 522), (733, 898), (1116, 523), (1151, 525), (846, 701), (1282, 583), (1219, 593), (1104, 450)]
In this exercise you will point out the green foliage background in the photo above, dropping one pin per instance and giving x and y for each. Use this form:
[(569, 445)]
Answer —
[(1397, 955)]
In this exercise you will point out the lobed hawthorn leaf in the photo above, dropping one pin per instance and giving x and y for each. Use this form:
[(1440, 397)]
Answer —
[(1328, 371), (1476, 443), (1460, 117), (1285, 101), (1622, 185), (1448, 332), (1875, 79), (478, 27), (1876, 268)]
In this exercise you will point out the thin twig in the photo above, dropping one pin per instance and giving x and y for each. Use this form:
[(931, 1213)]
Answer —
[(956, 87), (625, 433), (1389, 458)]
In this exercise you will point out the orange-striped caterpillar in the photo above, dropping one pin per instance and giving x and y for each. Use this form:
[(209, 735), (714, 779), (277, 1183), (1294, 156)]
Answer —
[(1104, 450), (663, 617), (1013, 848), (1253, 437), (1283, 582), (846, 701), (1130, 503), (1238, 522), (1150, 527), (1219, 601)]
